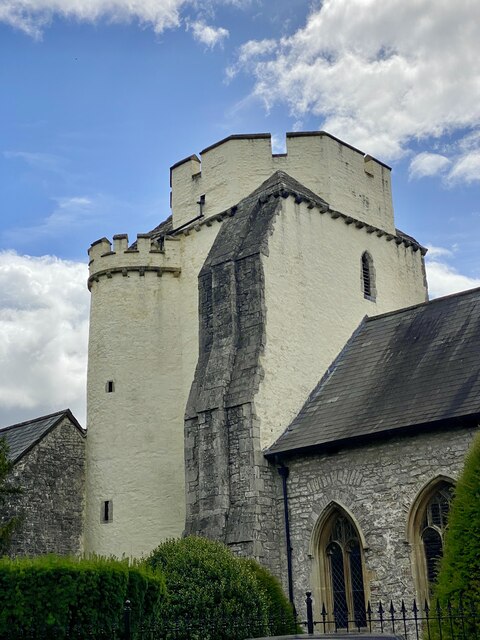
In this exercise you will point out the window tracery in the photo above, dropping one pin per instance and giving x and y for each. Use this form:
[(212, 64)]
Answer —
[(343, 566), (427, 531)]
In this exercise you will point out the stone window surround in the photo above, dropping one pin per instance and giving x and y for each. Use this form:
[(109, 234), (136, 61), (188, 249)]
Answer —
[(414, 530), (321, 579)]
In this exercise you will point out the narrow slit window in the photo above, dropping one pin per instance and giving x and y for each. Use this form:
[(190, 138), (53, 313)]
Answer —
[(368, 276), (107, 511), (110, 386)]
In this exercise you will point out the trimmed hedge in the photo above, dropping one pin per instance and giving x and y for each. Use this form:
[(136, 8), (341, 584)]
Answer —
[(280, 611), (211, 593), (52, 597)]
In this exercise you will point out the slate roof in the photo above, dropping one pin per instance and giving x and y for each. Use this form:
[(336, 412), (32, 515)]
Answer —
[(23, 436), (162, 229), (413, 368)]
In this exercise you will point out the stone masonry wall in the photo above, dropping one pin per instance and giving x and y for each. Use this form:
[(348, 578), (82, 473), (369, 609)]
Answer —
[(230, 494), (377, 484), (51, 476)]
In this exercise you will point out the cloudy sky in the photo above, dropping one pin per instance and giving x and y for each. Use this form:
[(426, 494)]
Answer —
[(99, 97)]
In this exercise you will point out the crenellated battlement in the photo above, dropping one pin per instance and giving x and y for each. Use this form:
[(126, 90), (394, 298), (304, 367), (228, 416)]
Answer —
[(349, 180), (146, 256)]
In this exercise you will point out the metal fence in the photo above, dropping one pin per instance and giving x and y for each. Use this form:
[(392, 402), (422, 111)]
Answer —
[(455, 620), (459, 620), (129, 628)]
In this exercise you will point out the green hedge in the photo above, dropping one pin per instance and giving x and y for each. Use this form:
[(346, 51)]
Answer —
[(52, 596), (211, 593), (280, 611)]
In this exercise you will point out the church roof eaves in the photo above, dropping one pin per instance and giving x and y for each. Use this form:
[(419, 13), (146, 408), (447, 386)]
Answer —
[(412, 369), (23, 436)]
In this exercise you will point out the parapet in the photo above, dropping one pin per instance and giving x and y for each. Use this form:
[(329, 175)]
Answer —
[(349, 180), (147, 257)]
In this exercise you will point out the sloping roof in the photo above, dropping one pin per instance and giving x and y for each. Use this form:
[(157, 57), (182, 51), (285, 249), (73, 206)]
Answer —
[(408, 368), (163, 228), (23, 436)]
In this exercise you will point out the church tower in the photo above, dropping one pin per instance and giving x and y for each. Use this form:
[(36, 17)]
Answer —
[(208, 333)]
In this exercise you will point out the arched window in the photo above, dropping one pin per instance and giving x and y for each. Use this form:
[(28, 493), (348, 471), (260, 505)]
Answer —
[(341, 570), (428, 525), (367, 273), (433, 527)]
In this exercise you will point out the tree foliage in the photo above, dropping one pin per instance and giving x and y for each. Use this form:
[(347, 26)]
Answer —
[(460, 566), (8, 490), (280, 611)]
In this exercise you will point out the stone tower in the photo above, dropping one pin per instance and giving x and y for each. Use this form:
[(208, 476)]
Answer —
[(225, 317)]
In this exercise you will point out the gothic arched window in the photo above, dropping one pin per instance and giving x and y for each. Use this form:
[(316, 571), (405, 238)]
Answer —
[(342, 564), (433, 527), (367, 273), (429, 523)]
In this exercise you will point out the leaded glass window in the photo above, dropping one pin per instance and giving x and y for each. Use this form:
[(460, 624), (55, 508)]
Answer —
[(433, 528), (346, 573)]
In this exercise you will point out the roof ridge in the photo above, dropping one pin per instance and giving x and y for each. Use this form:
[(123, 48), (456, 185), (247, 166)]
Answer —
[(62, 412), (31, 421), (449, 296)]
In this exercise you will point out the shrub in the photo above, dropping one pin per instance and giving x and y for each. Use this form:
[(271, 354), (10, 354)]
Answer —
[(280, 611), (460, 566), (57, 597), (211, 593), (459, 572)]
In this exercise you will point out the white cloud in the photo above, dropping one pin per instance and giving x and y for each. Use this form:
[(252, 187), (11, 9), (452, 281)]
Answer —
[(466, 168), (43, 161), (33, 16), (444, 279), (251, 50), (428, 164), (68, 214), (439, 252), (278, 143), (44, 326), (208, 35), (378, 74)]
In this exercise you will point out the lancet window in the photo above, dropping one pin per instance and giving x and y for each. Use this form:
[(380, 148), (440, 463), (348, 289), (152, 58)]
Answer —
[(343, 564)]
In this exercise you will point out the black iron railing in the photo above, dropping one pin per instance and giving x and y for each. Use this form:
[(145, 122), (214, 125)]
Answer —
[(454, 620)]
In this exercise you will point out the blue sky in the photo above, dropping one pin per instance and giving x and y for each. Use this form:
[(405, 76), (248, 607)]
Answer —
[(98, 98)]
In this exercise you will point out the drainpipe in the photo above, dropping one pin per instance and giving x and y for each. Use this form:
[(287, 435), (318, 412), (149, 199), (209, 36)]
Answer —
[(201, 204), (283, 471)]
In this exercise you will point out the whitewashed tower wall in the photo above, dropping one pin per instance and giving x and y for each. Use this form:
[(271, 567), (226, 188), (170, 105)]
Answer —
[(301, 271)]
